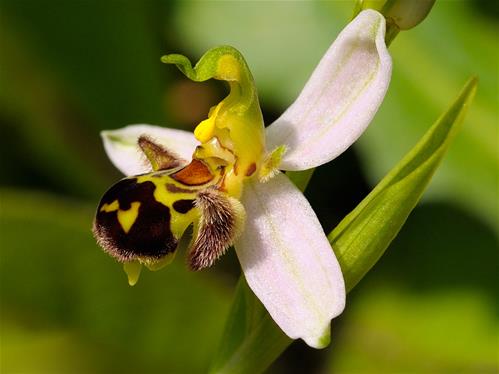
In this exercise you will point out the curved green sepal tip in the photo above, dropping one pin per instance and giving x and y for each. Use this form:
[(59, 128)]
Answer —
[(223, 63), (184, 65)]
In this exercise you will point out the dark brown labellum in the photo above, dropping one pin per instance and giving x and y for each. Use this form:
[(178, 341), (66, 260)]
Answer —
[(147, 233)]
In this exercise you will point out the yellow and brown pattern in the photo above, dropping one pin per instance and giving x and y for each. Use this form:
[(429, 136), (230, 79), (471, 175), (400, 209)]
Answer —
[(143, 217)]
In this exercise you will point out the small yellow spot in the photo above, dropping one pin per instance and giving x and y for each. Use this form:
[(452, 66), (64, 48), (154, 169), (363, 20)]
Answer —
[(127, 218), (229, 68), (108, 208)]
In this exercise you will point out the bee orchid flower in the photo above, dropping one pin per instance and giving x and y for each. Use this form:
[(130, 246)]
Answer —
[(225, 179)]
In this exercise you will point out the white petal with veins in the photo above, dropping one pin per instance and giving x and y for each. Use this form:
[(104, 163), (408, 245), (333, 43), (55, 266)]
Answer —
[(123, 151), (339, 100), (288, 261)]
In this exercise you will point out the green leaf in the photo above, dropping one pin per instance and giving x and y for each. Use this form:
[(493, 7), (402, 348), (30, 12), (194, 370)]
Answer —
[(364, 234), (252, 341), (429, 297)]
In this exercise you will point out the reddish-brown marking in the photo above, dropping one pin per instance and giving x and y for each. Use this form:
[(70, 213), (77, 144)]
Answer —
[(172, 188), (194, 174), (251, 170), (236, 167)]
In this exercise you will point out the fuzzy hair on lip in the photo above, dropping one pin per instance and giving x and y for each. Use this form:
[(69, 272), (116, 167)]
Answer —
[(222, 220)]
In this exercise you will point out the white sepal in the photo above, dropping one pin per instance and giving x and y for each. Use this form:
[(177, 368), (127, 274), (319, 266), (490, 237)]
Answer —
[(288, 261), (339, 100), (123, 151)]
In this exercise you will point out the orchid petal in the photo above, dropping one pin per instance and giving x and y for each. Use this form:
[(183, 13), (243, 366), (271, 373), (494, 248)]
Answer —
[(288, 261), (339, 100), (123, 151)]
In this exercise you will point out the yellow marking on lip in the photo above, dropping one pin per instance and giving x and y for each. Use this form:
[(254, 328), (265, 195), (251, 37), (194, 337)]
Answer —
[(127, 218), (164, 193), (108, 208)]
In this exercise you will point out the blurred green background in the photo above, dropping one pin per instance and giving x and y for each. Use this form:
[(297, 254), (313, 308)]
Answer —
[(69, 69)]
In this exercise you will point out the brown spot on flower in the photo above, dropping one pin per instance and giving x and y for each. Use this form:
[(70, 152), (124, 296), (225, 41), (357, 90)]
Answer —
[(183, 206), (236, 167), (175, 189), (251, 169), (194, 174)]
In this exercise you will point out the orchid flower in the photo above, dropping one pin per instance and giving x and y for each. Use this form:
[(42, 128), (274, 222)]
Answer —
[(232, 190)]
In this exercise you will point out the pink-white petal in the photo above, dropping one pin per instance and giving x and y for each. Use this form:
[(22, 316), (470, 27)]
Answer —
[(288, 261), (339, 100), (122, 149)]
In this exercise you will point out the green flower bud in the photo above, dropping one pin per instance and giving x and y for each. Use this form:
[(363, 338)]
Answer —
[(405, 14)]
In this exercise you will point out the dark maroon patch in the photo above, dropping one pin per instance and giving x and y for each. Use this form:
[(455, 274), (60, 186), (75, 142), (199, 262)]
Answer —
[(183, 206), (150, 235), (173, 188), (251, 169)]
